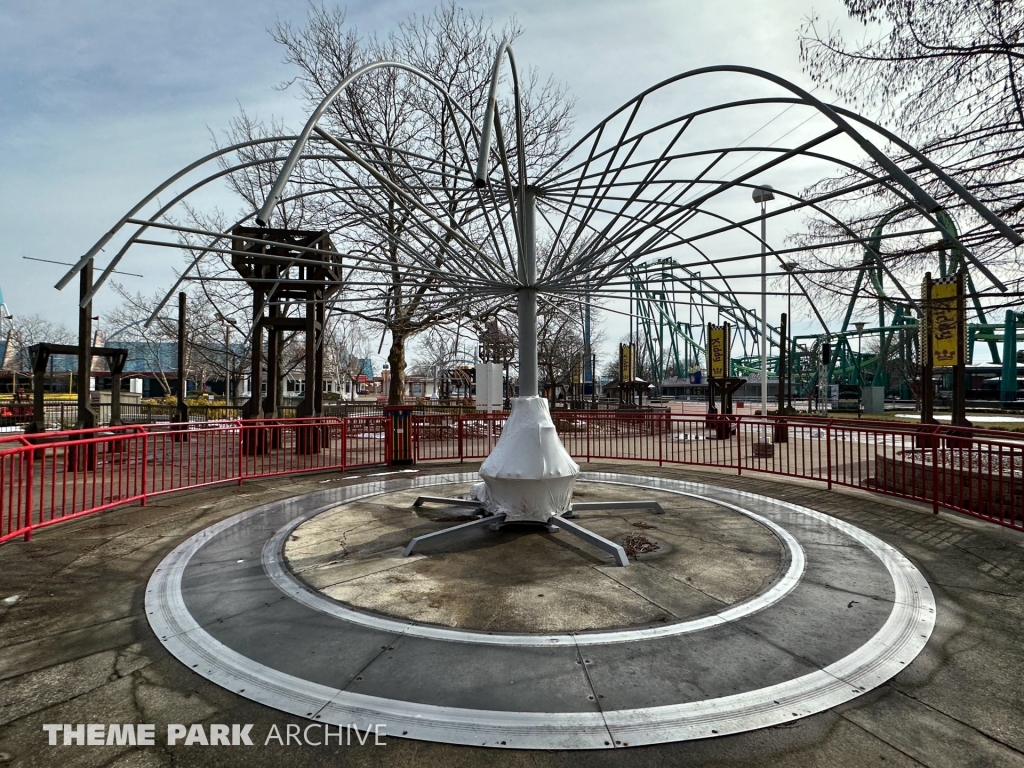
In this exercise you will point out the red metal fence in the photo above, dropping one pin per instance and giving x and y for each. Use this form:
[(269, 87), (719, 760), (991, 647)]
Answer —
[(48, 478)]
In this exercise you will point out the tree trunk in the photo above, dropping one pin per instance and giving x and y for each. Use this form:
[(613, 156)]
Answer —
[(396, 362)]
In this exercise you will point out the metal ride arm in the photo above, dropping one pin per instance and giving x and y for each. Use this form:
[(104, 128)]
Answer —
[(450, 502), (592, 538), (489, 520), (582, 506)]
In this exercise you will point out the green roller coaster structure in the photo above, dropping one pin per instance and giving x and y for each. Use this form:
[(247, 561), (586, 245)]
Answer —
[(661, 291)]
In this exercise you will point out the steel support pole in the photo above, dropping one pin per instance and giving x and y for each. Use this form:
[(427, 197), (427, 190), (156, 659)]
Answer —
[(959, 404), (527, 297), (86, 417), (181, 407), (227, 369), (927, 389), (615, 550), (791, 348), (764, 309)]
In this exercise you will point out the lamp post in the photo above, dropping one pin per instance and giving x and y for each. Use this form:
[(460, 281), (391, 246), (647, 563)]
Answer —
[(762, 195), (860, 390), (228, 356), (789, 266)]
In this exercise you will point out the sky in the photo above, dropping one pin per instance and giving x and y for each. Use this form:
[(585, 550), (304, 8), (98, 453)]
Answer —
[(103, 99)]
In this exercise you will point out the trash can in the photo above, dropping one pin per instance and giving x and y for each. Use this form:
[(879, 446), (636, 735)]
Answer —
[(398, 450)]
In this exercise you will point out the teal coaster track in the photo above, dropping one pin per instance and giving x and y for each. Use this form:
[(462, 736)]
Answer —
[(671, 304)]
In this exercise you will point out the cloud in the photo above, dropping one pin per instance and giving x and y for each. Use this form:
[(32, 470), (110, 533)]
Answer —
[(102, 100)]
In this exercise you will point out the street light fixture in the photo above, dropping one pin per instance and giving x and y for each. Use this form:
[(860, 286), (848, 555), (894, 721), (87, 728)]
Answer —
[(860, 384), (762, 195)]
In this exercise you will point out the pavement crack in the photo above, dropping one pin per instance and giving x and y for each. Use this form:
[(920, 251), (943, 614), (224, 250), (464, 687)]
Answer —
[(895, 687), (75, 565), (689, 584), (638, 594), (888, 743), (973, 589)]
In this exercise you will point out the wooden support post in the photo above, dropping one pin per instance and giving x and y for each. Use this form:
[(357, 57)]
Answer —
[(253, 407), (116, 364)]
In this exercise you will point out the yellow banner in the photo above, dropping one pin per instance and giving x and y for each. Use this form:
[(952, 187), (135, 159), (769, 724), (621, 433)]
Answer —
[(718, 353), (626, 370), (945, 329)]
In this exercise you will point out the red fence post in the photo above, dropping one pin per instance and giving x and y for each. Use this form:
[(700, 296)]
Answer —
[(344, 443), (241, 450), (935, 471), (661, 438), (459, 421), (145, 464), (29, 492), (739, 442), (828, 452)]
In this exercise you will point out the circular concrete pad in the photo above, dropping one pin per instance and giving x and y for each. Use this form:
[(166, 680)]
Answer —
[(848, 613), (703, 558)]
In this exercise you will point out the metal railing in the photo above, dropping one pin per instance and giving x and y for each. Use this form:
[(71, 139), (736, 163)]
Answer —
[(62, 415), (50, 477)]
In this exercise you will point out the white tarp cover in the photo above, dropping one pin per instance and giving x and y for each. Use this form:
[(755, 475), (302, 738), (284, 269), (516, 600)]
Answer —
[(529, 475)]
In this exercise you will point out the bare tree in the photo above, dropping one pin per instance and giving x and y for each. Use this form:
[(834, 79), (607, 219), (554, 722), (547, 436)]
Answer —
[(155, 347), (346, 350), (25, 331), (393, 116), (561, 351), (945, 76)]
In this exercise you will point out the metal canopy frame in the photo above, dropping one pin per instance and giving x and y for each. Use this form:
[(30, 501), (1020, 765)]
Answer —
[(641, 185)]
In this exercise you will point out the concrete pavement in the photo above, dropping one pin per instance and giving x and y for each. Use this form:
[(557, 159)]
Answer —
[(75, 648)]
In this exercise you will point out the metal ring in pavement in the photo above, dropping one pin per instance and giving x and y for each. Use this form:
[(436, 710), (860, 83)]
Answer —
[(849, 613)]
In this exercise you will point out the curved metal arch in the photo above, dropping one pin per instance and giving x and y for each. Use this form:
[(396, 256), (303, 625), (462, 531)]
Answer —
[(115, 260), (399, 194), (793, 152), (836, 115), (628, 262), (922, 197), (900, 179), (852, 166), (152, 221), (986, 213), (80, 264), (681, 207), (220, 236), (223, 172), (482, 173), (741, 226), (263, 216)]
